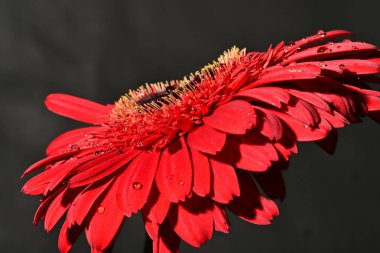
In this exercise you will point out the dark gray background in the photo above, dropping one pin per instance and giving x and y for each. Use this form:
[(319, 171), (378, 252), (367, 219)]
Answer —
[(99, 49)]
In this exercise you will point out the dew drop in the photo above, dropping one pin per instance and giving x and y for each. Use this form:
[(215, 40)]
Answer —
[(66, 183), (181, 182), (137, 186), (97, 152), (338, 46), (101, 209), (322, 49), (355, 47), (74, 147), (291, 43), (341, 66), (171, 177), (321, 33)]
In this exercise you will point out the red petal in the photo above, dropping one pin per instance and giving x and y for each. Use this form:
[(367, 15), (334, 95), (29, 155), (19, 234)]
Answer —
[(234, 117), (221, 222), (103, 169), (49, 160), (303, 112), (41, 211), (105, 222), (270, 95), (85, 201), (349, 67), (225, 183), (289, 73), (194, 221), (269, 125), (41, 183), (256, 152), (59, 206), (201, 173), (174, 174), (320, 36), (250, 205), (136, 182), (328, 51), (311, 98), (77, 108), (156, 207), (303, 132), (206, 139)]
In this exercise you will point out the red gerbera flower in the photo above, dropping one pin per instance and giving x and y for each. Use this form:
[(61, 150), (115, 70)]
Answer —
[(184, 151)]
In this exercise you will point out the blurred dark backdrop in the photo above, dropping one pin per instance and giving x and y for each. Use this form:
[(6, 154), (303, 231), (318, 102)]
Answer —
[(99, 49)]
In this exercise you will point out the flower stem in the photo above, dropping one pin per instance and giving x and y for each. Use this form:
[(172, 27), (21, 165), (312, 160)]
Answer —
[(148, 247)]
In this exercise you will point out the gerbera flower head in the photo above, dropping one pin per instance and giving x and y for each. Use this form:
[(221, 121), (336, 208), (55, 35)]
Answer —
[(184, 151)]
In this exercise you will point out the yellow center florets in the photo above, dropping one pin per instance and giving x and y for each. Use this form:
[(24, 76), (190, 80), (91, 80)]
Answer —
[(154, 96)]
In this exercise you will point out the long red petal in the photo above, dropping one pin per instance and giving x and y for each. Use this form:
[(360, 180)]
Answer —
[(201, 173), (135, 183), (105, 222), (225, 183), (77, 108), (174, 174)]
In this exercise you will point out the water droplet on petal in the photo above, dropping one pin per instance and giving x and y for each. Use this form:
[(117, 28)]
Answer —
[(74, 147), (341, 66), (137, 186), (181, 182), (355, 47), (338, 46), (321, 33), (97, 152), (321, 49), (101, 209), (170, 177), (66, 183)]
